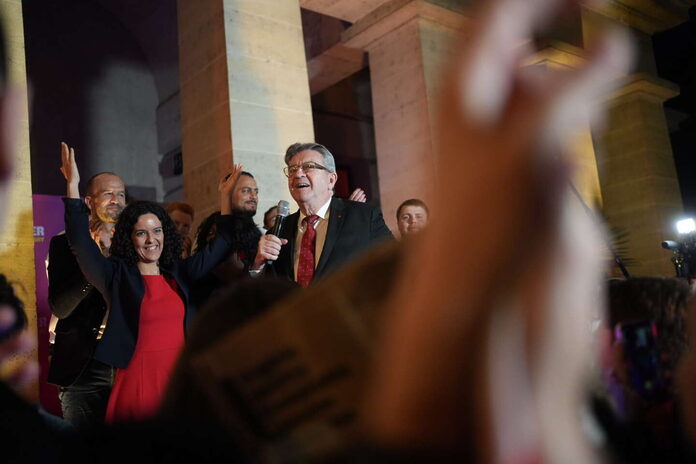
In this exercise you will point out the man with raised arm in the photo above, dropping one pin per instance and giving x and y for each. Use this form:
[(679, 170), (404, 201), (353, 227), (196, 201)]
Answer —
[(84, 382)]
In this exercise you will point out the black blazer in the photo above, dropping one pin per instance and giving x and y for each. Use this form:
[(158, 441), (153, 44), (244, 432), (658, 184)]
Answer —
[(80, 310), (353, 228), (122, 285)]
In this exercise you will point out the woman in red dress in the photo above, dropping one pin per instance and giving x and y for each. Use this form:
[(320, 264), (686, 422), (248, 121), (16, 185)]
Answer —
[(138, 388), (146, 286)]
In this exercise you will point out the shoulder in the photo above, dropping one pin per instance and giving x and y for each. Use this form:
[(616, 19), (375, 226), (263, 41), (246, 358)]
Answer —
[(59, 253), (59, 242), (243, 223), (75, 204), (125, 272), (59, 238), (173, 268), (353, 207)]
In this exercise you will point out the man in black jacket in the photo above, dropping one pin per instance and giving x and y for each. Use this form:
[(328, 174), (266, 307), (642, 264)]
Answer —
[(84, 382), (245, 236), (326, 232)]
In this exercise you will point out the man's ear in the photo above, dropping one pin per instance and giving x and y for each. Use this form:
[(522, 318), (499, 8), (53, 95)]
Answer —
[(87, 201), (333, 179)]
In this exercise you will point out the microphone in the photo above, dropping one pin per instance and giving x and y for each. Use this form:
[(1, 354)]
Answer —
[(670, 245), (283, 210)]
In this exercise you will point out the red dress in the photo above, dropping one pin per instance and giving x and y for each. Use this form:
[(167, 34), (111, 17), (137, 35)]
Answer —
[(138, 389)]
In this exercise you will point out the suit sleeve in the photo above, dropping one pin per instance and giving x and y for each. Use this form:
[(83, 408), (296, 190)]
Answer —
[(67, 286), (378, 228), (97, 269), (201, 263)]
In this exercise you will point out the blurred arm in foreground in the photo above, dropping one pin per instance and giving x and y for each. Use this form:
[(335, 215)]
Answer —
[(485, 341)]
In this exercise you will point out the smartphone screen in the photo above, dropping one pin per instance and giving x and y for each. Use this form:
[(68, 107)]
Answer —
[(642, 357)]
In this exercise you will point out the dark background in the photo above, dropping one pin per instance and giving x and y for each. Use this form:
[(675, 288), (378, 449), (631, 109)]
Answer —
[(675, 55)]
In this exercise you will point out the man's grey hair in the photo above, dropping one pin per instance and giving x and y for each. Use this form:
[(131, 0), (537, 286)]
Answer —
[(327, 157)]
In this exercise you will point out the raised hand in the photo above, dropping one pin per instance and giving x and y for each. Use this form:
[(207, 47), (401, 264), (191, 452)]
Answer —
[(358, 195), (226, 186), (433, 375), (230, 178), (69, 169)]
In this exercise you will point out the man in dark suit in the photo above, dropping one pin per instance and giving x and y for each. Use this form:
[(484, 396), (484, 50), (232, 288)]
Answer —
[(85, 383), (326, 232)]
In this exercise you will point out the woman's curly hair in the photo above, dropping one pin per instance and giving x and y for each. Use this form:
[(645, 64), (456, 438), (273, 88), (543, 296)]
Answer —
[(122, 243), (244, 236), (204, 230)]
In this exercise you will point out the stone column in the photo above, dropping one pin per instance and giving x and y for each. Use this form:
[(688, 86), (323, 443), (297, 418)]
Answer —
[(407, 42), (639, 184), (637, 173), (244, 94), (560, 55), (16, 235)]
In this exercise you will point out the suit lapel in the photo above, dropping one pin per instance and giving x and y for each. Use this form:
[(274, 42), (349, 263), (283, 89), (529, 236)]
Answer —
[(336, 213)]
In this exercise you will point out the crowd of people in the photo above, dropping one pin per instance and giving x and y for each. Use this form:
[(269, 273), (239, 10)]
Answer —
[(484, 335), (123, 305)]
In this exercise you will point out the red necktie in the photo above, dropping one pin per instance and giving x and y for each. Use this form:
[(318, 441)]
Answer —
[(305, 265)]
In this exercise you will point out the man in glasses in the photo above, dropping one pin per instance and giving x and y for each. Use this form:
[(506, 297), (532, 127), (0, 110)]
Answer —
[(326, 232)]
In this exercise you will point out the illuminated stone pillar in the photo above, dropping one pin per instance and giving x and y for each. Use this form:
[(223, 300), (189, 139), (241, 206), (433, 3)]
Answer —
[(560, 55), (407, 46), (640, 188), (244, 94), (16, 237), (638, 178)]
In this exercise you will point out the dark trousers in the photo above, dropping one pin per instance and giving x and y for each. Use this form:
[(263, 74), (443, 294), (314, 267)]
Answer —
[(84, 402)]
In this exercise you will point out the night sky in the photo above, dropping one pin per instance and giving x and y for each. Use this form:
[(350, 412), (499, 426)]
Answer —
[(675, 54)]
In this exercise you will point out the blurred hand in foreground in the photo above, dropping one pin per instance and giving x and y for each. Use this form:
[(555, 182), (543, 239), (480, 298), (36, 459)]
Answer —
[(486, 340)]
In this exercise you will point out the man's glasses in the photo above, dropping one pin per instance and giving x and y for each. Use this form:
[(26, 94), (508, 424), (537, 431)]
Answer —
[(307, 167)]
